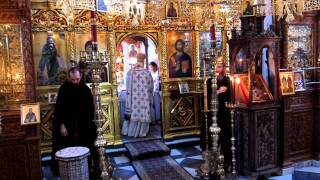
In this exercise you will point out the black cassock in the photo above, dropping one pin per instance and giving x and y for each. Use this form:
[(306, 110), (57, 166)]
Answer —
[(223, 116), (75, 109)]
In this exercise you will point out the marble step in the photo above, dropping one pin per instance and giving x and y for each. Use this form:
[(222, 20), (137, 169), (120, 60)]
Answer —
[(306, 173)]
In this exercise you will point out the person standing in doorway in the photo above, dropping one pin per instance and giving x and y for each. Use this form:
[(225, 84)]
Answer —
[(139, 100), (153, 68)]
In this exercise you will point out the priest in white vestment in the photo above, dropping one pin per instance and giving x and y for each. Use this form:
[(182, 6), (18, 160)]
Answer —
[(139, 100)]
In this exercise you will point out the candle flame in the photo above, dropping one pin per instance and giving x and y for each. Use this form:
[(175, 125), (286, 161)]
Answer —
[(238, 80)]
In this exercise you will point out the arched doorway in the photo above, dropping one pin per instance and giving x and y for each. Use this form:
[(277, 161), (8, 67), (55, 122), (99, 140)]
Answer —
[(127, 49)]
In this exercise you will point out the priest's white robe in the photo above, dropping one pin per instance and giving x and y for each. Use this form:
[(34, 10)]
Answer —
[(138, 102)]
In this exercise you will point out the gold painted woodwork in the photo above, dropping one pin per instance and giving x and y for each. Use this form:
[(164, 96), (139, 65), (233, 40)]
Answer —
[(156, 27), (110, 105)]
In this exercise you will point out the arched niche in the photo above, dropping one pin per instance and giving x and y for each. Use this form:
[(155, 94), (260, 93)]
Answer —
[(127, 47), (265, 65), (241, 65)]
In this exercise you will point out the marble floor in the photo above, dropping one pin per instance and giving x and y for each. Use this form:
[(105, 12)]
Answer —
[(190, 158)]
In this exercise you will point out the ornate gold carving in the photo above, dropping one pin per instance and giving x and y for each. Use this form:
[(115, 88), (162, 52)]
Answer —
[(288, 9), (181, 113), (83, 21), (310, 5), (45, 20), (46, 128), (196, 54), (155, 27), (71, 45), (12, 72), (164, 74), (112, 64)]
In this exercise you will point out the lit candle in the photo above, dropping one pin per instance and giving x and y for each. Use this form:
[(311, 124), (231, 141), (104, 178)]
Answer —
[(237, 81), (232, 89)]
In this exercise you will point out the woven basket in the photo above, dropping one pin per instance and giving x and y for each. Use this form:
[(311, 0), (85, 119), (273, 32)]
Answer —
[(73, 163)]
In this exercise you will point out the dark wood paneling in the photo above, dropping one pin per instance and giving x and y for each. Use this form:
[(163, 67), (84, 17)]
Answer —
[(299, 127), (19, 149), (258, 132), (19, 145), (316, 141)]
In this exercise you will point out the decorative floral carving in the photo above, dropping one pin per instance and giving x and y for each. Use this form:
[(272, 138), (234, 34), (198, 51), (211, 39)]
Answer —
[(266, 138), (84, 20), (182, 114), (44, 20), (302, 129)]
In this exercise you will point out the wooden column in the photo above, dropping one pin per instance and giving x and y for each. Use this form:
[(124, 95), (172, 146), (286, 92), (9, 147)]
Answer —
[(20, 145)]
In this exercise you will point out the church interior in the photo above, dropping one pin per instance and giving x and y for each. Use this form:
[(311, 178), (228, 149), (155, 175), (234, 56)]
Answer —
[(175, 89)]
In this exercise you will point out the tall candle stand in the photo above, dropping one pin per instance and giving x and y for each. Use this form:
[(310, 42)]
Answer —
[(204, 170), (217, 158), (232, 107), (96, 62)]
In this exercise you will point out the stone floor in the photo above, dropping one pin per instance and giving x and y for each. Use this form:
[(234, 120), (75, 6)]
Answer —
[(190, 158), (306, 170)]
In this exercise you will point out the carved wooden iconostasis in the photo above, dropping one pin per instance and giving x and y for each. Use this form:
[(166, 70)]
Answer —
[(118, 34), (67, 42)]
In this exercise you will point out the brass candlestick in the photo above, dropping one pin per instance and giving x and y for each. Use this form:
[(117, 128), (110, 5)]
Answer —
[(217, 158), (96, 62), (232, 108), (204, 171)]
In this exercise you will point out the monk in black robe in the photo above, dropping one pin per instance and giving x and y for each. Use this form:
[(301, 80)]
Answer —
[(223, 115), (73, 118)]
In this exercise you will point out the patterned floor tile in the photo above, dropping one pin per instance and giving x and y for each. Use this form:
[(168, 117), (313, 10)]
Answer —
[(47, 174), (199, 157), (189, 151), (175, 152), (121, 159), (198, 147), (287, 177), (180, 160), (123, 174), (191, 171), (128, 168), (309, 169), (135, 177), (191, 163), (242, 178)]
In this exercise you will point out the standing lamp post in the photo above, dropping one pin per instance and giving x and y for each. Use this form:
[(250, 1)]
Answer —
[(217, 158), (96, 62), (232, 107), (213, 158), (204, 170)]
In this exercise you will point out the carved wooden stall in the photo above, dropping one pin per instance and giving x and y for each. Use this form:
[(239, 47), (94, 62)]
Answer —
[(255, 67), (301, 110), (19, 145)]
